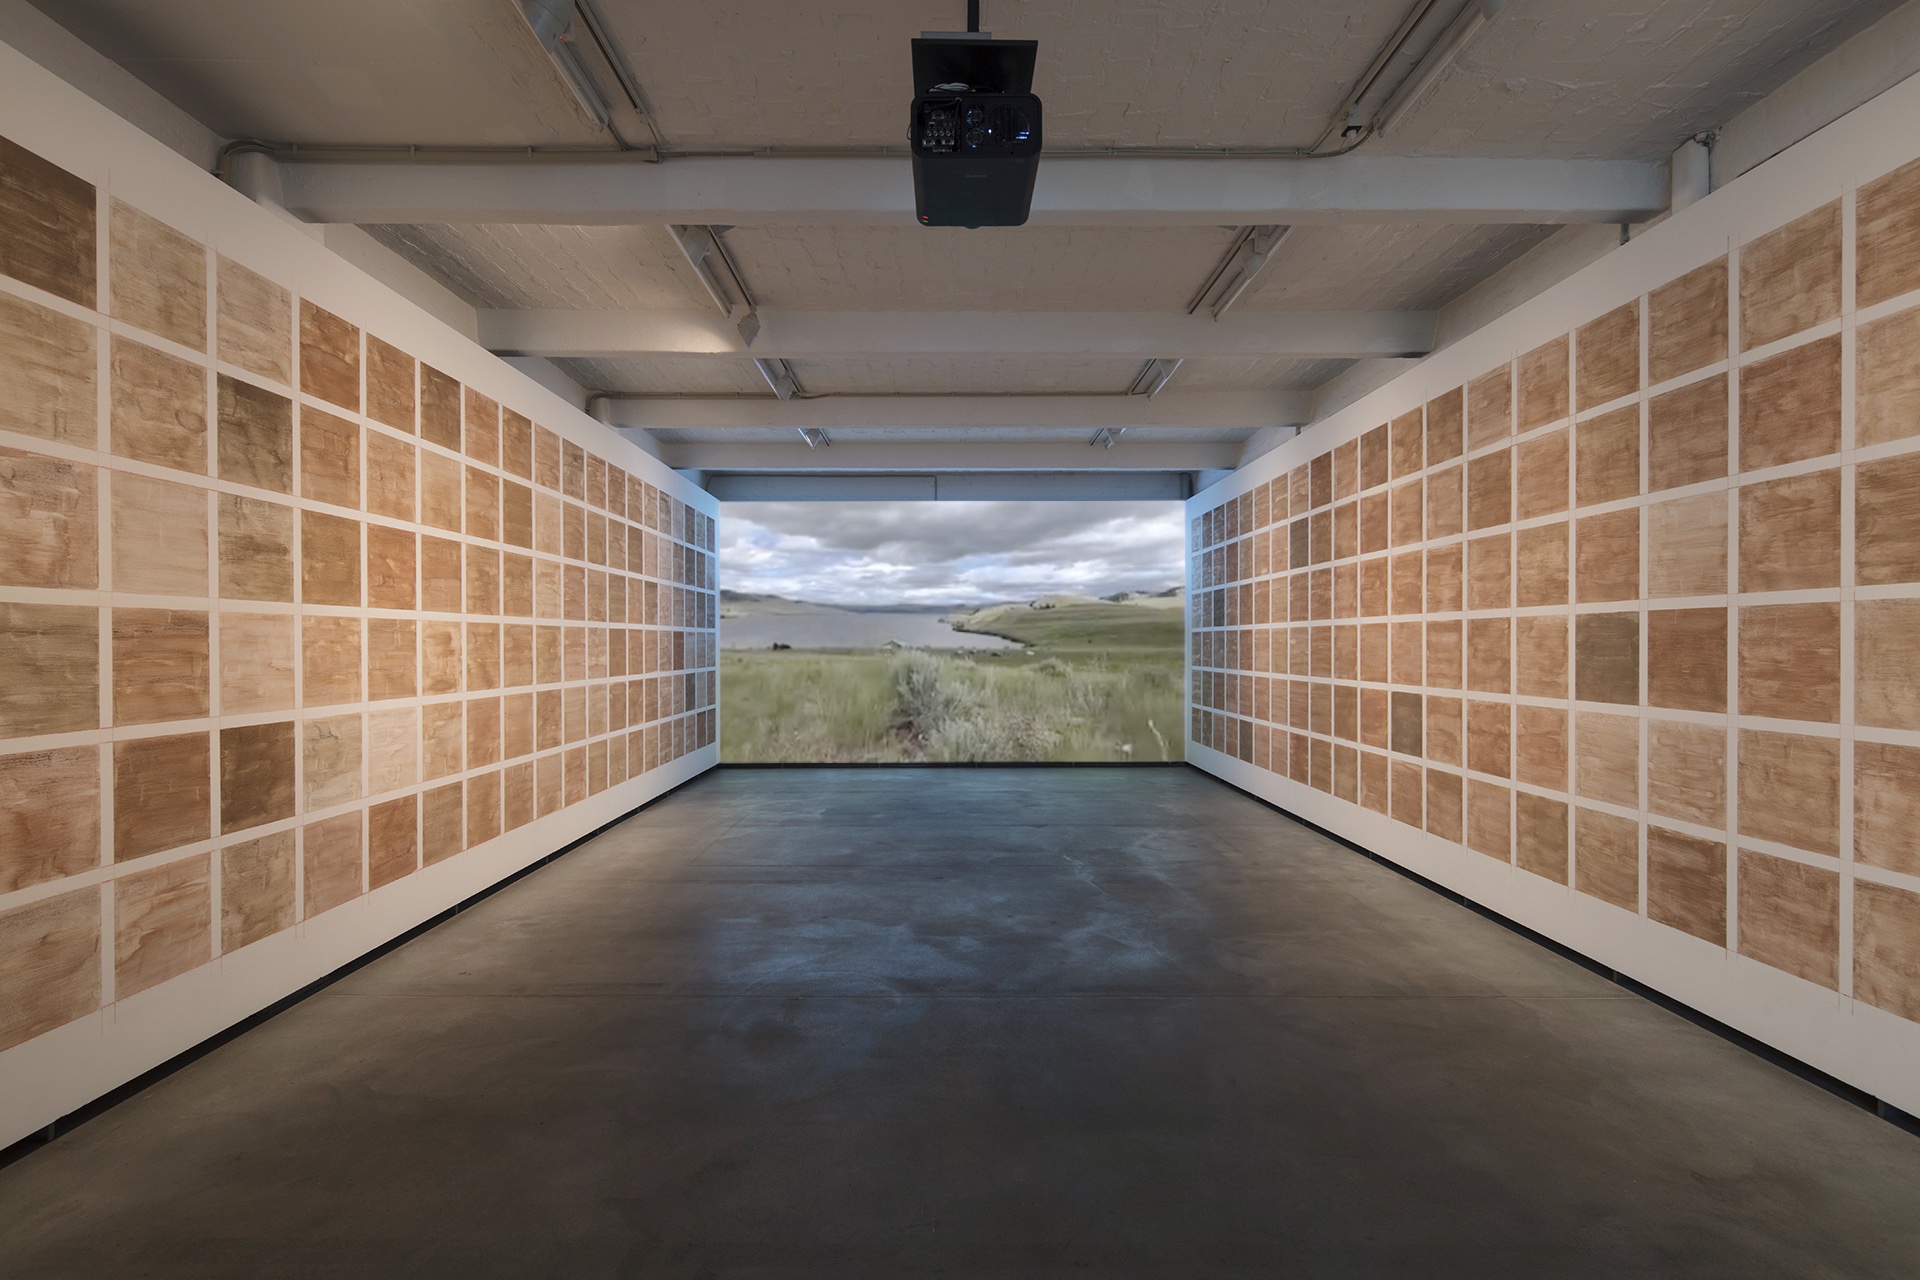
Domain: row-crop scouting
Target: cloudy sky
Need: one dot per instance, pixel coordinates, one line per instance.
(868, 553)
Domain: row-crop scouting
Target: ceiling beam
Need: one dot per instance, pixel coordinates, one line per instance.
(852, 456)
(1212, 410)
(804, 335)
(1071, 191)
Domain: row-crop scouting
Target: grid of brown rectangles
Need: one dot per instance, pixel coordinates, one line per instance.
(1638, 613)
(286, 615)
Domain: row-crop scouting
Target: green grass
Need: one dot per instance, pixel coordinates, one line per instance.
(1100, 683)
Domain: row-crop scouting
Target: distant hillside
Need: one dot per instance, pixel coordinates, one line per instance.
(746, 604)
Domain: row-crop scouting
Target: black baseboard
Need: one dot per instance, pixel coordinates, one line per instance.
(1733, 1035)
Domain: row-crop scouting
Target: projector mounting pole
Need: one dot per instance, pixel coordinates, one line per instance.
(973, 15)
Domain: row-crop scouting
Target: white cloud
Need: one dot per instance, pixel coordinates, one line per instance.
(871, 553)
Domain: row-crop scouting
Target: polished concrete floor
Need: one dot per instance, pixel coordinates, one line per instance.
(970, 1023)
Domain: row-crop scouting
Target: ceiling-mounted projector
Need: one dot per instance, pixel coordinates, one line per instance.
(975, 129)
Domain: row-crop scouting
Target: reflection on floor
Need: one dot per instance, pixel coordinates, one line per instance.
(970, 1022)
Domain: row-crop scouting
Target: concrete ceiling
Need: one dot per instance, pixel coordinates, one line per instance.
(1546, 81)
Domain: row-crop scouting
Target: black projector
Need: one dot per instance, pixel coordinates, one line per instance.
(975, 131)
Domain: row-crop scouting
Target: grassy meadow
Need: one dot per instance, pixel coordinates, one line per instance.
(1096, 682)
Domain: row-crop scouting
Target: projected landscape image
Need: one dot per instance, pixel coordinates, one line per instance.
(900, 632)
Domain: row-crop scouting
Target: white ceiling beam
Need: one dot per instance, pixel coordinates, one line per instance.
(1071, 191)
(1214, 410)
(804, 335)
(924, 456)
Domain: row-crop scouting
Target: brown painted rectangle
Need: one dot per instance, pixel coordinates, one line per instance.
(1607, 468)
(1540, 829)
(256, 774)
(1688, 435)
(1687, 547)
(392, 659)
(253, 327)
(1541, 646)
(49, 521)
(1790, 789)
(256, 890)
(1490, 572)
(1687, 771)
(1542, 378)
(1606, 663)
(162, 793)
(1606, 357)
(159, 407)
(1687, 659)
(1606, 858)
(1886, 655)
(51, 654)
(1542, 575)
(1541, 746)
(1790, 533)
(1886, 806)
(1490, 407)
(1886, 530)
(332, 854)
(163, 924)
(1790, 406)
(1790, 662)
(329, 660)
(1606, 758)
(156, 276)
(1886, 948)
(1489, 655)
(1490, 820)
(329, 356)
(330, 753)
(49, 952)
(47, 374)
(1490, 490)
(49, 815)
(1886, 379)
(393, 840)
(390, 389)
(47, 225)
(161, 660)
(1687, 884)
(1790, 278)
(1687, 322)
(329, 559)
(1790, 917)
(439, 575)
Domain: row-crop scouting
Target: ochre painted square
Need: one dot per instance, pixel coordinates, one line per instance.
(1687, 884)
(1607, 465)
(49, 815)
(1542, 474)
(256, 890)
(393, 840)
(1490, 572)
(1887, 240)
(1446, 731)
(443, 738)
(1886, 379)
(1490, 738)
(1409, 518)
(1790, 278)
(1886, 806)
(1446, 424)
(439, 575)
(49, 521)
(256, 774)
(483, 655)
(1790, 789)
(256, 549)
(47, 225)
(156, 276)
(1790, 406)
(1409, 583)
(391, 568)
(1408, 795)
(329, 559)
(1686, 659)
(1446, 805)
(1606, 758)
(329, 660)
(439, 408)
(160, 665)
(1490, 407)
(1687, 323)
(483, 434)
(1607, 557)
(1606, 357)
(329, 357)
(483, 504)
(392, 661)
(1606, 857)
(1542, 574)
(1887, 521)
(1688, 435)
(1541, 376)
(51, 654)
(390, 472)
(1687, 547)
(1790, 917)
(1446, 502)
(441, 500)
(1790, 533)
(329, 458)
(1540, 828)
(1490, 820)
(159, 407)
(255, 439)
(393, 749)
(1886, 948)
(390, 390)
(440, 657)
(1490, 490)
(483, 732)
(1489, 655)
(330, 752)
(163, 924)
(253, 326)
(49, 955)
(332, 854)
(483, 808)
(162, 794)
(47, 374)
(1687, 771)
(1541, 645)
(1606, 662)
(1886, 656)
(1790, 662)
(1445, 589)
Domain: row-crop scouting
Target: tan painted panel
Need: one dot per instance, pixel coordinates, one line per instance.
(1541, 746)
(329, 559)
(329, 458)
(483, 430)
(1790, 662)
(329, 356)
(517, 795)
(47, 372)
(49, 957)
(393, 840)
(159, 407)
(483, 808)
(1606, 758)
(439, 575)
(1606, 857)
(392, 659)
(1446, 804)
(1790, 790)
(254, 442)
(256, 549)
(1607, 466)
(163, 924)
(1606, 356)
(332, 853)
(1542, 470)
(1887, 380)
(1606, 662)
(1687, 771)
(256, 774)
(1790, 533)
(1541, 647)
(1687, 884)
(330, 753)
(258, 659)
(1886, 806)
(1489, 820)
(1687, 659)
(1687, 547)
(1607, 557)
(1886, 655)
(161, 665)
(441, 500)
(1490, 407)
(254, 327)
(329, 660)
(442, 823)
(1886, 530)
(482, 504)
(1688, 435)
(1490, 572)
(1790, 406)
(49, 815)
(1886, 948)
(392, 570)
(439, 408)
(51, 654)
(1540, 831)
(1790, 278)
(1490, 490)
(393, 749)
(390, 481)
(1541, 376)
(47, 233)
(156, 276)
(390, 390)
(1887, 218)
(256, 890)
(1687, 322)
(49, 521)
(1790, 917)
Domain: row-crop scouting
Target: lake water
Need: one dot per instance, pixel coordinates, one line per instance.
(851, 631)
